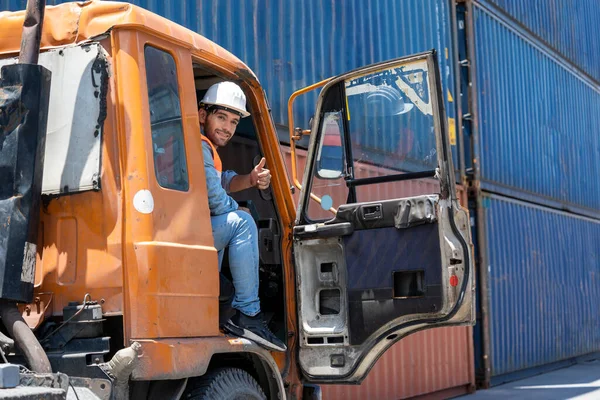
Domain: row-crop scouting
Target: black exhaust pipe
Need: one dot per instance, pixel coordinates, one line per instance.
(32, 32)
(24, 100)
(24, 338)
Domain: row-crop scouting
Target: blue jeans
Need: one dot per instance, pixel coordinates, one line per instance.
(237, 230)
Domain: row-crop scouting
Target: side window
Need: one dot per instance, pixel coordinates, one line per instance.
(392, 142)
(165, 120)
(328, 181)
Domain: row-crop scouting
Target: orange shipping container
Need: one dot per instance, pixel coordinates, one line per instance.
(432, 364)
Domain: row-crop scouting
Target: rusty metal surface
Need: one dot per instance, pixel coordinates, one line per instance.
(35, 313)
(176, 363)
(32, 31)
(422, 363)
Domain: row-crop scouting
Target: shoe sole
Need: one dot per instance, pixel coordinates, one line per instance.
(236, 330)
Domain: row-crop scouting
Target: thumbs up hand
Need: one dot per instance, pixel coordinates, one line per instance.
(260, 177)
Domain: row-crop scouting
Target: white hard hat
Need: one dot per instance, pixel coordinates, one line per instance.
(228, 96)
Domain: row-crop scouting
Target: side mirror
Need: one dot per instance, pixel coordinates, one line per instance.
(330, 158)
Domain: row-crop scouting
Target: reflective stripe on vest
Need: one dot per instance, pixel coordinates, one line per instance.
(216, 158)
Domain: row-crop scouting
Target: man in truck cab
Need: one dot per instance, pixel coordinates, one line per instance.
(220, 111)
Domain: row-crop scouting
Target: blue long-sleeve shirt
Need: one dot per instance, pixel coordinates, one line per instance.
(217, 185)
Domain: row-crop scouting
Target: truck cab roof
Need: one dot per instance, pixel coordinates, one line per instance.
(76, 22)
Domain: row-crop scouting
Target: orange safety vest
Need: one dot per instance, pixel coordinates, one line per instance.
(216, 158)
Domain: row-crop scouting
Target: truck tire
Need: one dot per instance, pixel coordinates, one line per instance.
(225, 384)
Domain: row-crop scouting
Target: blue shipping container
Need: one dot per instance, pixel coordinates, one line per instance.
(543, 274)
(570, 27)
(538, 122)
(291, 44)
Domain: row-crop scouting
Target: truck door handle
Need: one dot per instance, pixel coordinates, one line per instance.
(371, 212)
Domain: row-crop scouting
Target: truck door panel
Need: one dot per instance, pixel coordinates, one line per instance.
(380, 259)
(390, 271)
(169, 259)
(378, 253)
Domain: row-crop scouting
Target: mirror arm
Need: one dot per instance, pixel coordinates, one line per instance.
(299, 133)
(294, 136)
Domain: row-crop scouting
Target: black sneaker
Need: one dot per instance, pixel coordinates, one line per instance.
(256, 329)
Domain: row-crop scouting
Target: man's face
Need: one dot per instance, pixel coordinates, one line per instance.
(219, 126)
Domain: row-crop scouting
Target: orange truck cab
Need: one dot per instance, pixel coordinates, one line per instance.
(126, 296)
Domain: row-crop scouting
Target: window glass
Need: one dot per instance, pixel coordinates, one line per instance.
(328, 183)
(390, 122)
(165, 120)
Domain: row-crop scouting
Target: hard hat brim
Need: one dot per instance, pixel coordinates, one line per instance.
(242, 113)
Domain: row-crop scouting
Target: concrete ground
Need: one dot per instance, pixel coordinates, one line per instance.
(577, 382)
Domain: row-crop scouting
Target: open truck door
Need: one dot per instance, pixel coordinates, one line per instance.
(382, 247)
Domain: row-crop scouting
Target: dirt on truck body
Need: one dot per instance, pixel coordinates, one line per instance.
(110, 268)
